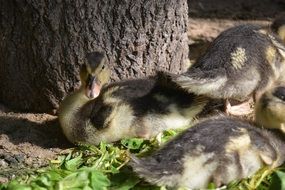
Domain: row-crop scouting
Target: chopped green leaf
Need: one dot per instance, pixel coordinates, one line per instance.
(74, 163)
(133, 143)
(99, 180)
(278, 181)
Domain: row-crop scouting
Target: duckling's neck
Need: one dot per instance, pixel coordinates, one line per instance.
(69, 107)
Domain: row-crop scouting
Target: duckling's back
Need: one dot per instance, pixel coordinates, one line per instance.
(216, 150)
(166, 106)
(164, 94)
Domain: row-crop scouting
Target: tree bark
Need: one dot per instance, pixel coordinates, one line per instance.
(43, 43)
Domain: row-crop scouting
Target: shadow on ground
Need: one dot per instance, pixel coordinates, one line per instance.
(46, 134)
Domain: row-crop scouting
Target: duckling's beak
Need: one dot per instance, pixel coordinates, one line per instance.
(92, 87)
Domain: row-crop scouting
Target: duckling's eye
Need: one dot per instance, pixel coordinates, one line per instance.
(280, 93)
(103, 67)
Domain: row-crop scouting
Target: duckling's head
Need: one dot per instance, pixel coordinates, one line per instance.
(278, 26)
(94, 74)
(270, 108)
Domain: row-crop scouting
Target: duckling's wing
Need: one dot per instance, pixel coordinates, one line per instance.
(202, 82)
(129, 89)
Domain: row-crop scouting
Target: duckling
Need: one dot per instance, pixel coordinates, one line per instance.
(242, 61)
(220, 149)
(278, 26)
(93, 77)
(132, 108)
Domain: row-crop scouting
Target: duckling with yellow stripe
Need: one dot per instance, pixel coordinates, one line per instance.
(132, 108)
(242, 61)
(220, 149)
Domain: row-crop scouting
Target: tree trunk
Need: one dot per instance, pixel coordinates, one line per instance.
(43, 43)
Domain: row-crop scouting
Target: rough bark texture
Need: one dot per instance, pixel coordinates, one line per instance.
(43, 43)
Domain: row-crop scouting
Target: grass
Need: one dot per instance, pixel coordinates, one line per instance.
(104, 167)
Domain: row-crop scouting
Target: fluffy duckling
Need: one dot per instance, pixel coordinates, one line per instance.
(242, 61)
(278, 26)
(220, 149)
(132, 108)
(92, 76)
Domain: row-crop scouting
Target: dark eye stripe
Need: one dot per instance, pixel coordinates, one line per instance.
(280, 93)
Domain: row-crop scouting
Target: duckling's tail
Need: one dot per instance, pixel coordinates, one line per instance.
(200, 85)
(149, 169)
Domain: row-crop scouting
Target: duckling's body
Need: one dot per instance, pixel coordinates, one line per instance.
(131, 108)
(220, 150)
(242, 61)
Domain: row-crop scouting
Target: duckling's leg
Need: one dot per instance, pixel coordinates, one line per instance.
(243, 108)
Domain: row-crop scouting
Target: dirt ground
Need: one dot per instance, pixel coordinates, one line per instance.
(27, 141)
(31, 140)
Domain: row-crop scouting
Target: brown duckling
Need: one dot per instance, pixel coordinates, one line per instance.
(132, 108)
(220, 149)
(242, 61)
